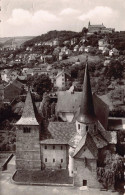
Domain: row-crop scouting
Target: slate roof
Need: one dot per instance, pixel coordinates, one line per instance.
(29, 115)
(58, 132)
(87, 114)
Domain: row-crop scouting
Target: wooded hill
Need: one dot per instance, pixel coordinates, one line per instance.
(51, 35)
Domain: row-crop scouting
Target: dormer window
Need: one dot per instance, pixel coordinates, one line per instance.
(26, 130)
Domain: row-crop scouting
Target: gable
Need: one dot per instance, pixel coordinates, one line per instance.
(85, 153)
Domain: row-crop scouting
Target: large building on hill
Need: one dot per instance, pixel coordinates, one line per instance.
(75, 147)
(99, 28)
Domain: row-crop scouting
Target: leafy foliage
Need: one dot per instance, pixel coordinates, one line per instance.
(40, 83)
(115, 69)
(62, 35)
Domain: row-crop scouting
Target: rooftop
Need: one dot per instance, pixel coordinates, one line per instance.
(58, 133)
(29, 115)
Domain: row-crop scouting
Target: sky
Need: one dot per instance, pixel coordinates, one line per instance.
(35, 17)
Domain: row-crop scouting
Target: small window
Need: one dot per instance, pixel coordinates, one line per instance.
(53, 147)
(78, 126)
(53, 159)
(26, 130)
(95, 127)
(45, 159)
(87, 128)
(72, 171)
(61, 160)
(61, 147)
(45, 147)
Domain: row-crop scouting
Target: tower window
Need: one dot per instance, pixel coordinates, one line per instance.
(53, 147)
(45, 159)
(45, 147)
(78, 126)
(53, 159)
(87, 128)
(61, 160)
(26, 130)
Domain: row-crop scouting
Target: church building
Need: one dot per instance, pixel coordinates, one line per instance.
(73, 146)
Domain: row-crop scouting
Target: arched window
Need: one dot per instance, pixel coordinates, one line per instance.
(78, 126)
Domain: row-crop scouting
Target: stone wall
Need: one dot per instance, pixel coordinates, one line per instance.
(28, 148)
(85, 170)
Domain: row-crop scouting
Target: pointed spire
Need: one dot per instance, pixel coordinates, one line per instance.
(86, 114)
(29, 115)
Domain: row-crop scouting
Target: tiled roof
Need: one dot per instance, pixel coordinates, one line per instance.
(53, 141)
(17, 84)
(89, 142)
(96, 25)
(30, 115)
(109, 136)
(93, 141)
(75, 140)
(60, 132)
(65, 72)
(18, 107)
(64, 105)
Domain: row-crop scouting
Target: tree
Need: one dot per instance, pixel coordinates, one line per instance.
(40, 83)
(115, 69)
(84, 30)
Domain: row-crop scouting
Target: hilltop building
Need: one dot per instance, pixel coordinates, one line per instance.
(75, 147)
(99, 28)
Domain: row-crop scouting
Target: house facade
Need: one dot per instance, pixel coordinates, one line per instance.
(61, 79)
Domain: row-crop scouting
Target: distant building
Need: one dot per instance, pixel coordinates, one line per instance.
(76, 48)
(81, 48)
(99, 28)
(114, 52)
(62, 78)
(61, 55)
(56, 42)
(89, 49)
(103, 43)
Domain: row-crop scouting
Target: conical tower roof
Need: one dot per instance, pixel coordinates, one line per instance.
(29, 115)
(86, 114)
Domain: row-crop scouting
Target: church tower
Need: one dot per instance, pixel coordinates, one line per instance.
(86, 120)
(28, 137)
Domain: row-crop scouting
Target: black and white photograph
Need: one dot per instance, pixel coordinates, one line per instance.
(62, 97)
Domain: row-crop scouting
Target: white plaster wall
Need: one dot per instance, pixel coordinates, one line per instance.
(56, 154)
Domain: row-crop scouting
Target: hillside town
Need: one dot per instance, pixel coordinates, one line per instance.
(62, 107)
